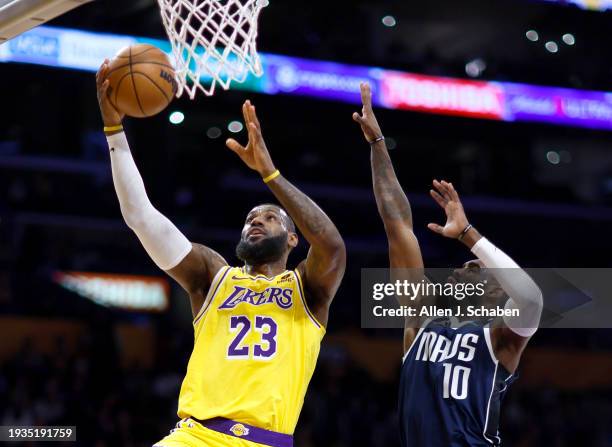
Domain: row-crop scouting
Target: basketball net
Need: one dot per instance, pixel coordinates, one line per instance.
(213, 41)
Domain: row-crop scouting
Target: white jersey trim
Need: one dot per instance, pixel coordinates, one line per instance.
(487, 336)
(214, 286)
(416, 338)
(484, 430)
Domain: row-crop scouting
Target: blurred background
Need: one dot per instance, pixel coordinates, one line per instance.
(542, 192)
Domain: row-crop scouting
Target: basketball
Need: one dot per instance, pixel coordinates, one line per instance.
(142, 81)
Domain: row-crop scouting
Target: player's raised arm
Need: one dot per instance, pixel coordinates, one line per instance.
(192, 265)
(405, 257)
(524, 294)
(393, 205)
(324, 266)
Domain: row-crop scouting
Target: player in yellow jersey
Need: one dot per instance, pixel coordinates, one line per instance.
(257, 327)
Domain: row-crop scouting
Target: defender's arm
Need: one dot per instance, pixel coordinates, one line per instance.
(525, 296)
(510, 339)
(393, 207)
(392, 203)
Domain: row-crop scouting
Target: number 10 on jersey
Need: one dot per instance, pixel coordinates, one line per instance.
(241, 325)
(455, 381)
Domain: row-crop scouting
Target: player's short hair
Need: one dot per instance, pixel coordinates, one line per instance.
(287, 220)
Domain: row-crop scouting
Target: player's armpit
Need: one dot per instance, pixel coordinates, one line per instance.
(508, 346)
(196, 272)
(322, 272)
(412, 324)
(324, 266)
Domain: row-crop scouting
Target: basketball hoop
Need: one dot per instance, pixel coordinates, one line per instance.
(213, 39)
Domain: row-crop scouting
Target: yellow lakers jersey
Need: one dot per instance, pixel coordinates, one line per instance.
(256, 346)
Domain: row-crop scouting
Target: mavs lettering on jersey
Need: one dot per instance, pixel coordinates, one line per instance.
(435, 347)
(451, 388)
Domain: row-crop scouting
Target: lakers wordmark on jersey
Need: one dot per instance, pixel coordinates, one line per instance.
(256, 347)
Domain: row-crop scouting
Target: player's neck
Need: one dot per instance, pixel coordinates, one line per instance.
(268, 269)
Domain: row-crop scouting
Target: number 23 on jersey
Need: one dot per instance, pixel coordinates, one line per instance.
(264, 349)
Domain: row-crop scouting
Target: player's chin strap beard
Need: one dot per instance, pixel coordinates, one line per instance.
(267, 250)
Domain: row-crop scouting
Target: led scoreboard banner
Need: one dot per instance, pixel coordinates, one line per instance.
(502, 101)
(127, 292)
(594, 5)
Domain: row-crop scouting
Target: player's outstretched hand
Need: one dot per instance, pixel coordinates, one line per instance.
(255, 155)
(456, 221)
(110, 115)
(367, 119)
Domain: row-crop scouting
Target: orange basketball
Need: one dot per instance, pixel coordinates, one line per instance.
(142, 81)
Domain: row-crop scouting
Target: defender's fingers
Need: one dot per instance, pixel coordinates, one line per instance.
(366, 95)
(439, 188)
(454, 193)
(446, 185)
(442, 187)
(435, 228)
(438, 198)
(357, 118)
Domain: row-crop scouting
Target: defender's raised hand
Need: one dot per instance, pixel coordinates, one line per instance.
(255, 155)
(448, 199)
(367, 119)
(110, 115)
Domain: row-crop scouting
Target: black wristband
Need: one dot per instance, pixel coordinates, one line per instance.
(376, 140)
(464, 232)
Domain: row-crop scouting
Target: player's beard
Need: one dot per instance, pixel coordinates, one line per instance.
(266, 250)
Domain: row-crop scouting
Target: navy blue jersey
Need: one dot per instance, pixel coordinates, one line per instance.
(451, 388)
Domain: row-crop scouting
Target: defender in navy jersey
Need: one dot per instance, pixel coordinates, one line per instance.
(454, 374)
(451, 387)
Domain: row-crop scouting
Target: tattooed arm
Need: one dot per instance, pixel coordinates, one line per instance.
(392, 203)
(323, 268)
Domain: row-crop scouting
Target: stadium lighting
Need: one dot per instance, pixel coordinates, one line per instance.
(475, 68)
(389, 21)
(553, 157)
(532, 35)
(235, 126)
(569, 39)
(213, 132)
(176, 117)
(551, 47)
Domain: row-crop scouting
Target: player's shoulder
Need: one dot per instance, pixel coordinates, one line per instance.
(211, 258)
(450, 325)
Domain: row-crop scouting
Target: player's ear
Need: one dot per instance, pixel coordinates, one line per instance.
(292, 239)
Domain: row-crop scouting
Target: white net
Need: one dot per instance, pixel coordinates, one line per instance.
(213, 41)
